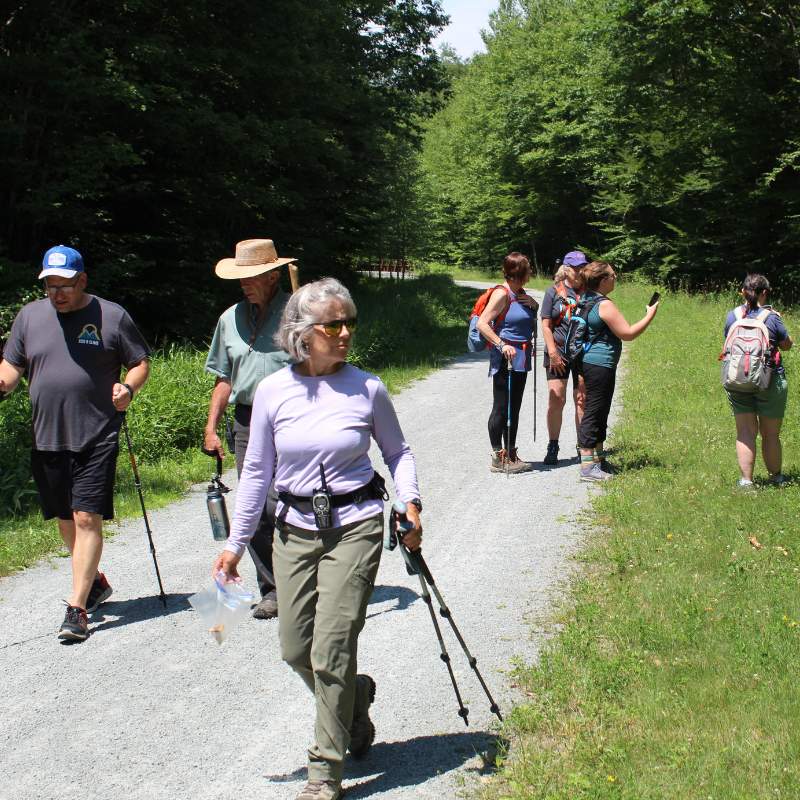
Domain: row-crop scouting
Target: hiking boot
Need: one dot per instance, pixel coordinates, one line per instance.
(516, 464)
(75, 627)
(100, 592)
(268, 607)
(551, 459)
(592, 473)
(745, 485)
(778, 479)
(498, 461)
(362, 731)
(321, 790)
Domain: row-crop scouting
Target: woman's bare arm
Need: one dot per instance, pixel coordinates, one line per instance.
(619, 326)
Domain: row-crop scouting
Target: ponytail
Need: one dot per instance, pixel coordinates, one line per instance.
(754, 284)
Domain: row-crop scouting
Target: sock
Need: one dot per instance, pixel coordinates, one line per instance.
(586, 460)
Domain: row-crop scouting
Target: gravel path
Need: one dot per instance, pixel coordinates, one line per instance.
(151, 708)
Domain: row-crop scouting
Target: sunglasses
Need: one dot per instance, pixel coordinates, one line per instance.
(334, 327)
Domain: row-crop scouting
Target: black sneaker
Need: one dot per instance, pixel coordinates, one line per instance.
(551, 459)
(75, 627)
(100, 592)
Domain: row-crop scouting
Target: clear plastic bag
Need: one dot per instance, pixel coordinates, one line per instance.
(222, 606)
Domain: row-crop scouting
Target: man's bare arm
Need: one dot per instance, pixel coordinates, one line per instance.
(9, 376)
(219, 402)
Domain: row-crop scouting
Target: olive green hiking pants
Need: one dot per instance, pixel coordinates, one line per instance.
(324, 582)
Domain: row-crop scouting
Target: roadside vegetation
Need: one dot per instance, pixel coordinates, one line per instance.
(405, 330)
(673, 671)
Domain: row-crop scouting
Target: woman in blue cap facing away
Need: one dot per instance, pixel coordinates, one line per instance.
(755, 380)
(558, 304)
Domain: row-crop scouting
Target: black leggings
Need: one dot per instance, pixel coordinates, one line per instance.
(599, 382)
(497, 419)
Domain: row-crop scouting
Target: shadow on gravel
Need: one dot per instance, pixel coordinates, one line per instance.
(417, 760)
(404, 598)
(137, 609)
(411, 762)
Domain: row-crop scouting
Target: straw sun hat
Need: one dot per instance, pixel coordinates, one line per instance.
(253, 256)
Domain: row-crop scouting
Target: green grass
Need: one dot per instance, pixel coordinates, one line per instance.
(406, 330)
(674, 674)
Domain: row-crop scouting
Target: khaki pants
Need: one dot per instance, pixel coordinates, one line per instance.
(324, 582)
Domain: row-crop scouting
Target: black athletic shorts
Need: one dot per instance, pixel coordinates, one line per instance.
(554, 376)
(68, 481)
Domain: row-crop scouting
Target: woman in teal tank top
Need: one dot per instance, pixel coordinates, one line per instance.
(607, 328)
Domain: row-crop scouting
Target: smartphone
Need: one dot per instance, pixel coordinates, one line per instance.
(655, 298)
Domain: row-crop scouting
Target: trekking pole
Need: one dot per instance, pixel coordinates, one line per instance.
(508, 419)
(138, 485)
(535, 343)
(416, 565)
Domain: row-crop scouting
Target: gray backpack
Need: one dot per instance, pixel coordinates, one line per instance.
(747, 356)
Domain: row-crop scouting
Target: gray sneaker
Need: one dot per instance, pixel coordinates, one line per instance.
(594, 473)
(321, 790)
(268, 607)
(362, 731)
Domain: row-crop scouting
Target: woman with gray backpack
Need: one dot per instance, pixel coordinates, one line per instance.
(755, 380)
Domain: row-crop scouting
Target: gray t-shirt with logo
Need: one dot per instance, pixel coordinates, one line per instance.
(73, 361)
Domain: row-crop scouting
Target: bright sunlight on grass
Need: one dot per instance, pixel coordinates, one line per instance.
(675, 672)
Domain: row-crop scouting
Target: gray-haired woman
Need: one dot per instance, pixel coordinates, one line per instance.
(311, 429)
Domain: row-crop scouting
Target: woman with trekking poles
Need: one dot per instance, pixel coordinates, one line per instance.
(558, 304)
(310, 430)
(508, 324)
(606, 330)
(755, 380)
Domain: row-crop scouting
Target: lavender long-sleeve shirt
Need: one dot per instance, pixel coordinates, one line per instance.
(299, 422)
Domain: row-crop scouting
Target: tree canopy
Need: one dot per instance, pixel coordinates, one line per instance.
(661, 134)
(152, 136)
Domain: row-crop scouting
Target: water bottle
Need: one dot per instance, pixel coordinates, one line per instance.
(217, 512)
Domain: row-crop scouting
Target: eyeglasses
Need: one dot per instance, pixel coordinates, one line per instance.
(63, 287)
(334, 327)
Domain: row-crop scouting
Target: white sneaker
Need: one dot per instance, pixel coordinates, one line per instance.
(745, 485)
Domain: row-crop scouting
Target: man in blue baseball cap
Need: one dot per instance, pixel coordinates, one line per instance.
(73, 347)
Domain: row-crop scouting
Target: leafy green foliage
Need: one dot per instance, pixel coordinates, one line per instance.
(660, 135)
(153, 137)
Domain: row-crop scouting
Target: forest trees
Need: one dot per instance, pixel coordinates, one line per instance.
(662, 134)
(153, 136)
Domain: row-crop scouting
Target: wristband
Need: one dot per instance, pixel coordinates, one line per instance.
(416, 502)
(128, 387)
(499, 346)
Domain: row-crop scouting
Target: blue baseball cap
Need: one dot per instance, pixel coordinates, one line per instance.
(575, 258)
(62, 261)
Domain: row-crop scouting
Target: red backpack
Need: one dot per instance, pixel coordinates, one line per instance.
(475, 342)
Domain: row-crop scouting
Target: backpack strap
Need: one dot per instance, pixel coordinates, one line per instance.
(500, 318)
(763, 314)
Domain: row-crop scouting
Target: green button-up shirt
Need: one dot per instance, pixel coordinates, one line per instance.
(231, 356)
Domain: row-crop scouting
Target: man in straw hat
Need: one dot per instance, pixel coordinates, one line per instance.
(242, 353)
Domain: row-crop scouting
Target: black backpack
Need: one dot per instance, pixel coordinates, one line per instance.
(576, 338)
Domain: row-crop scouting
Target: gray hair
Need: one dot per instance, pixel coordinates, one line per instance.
(562, 273)
(304, 310)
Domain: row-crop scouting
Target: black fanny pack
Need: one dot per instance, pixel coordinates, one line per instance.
(374, 490)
